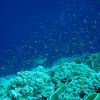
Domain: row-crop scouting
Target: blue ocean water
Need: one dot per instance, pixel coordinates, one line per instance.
(40, 31)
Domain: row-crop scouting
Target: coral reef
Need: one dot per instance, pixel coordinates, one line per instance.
(74, 78)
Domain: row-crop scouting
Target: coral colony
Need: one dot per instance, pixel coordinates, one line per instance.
(73, 78)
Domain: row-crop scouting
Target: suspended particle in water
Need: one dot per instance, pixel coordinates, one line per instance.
(85, 21)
